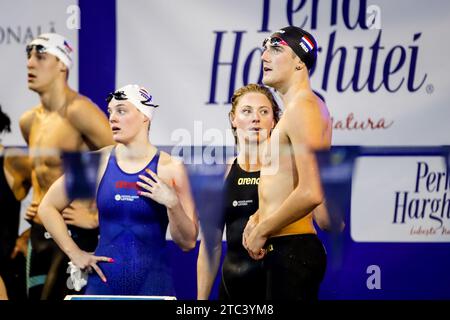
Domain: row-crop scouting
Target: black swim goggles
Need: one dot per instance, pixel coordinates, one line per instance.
(39, 48)
(274, 41)
(120, 95)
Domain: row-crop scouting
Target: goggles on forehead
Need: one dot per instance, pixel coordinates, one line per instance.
(274, 41)
(118, 95)
(39, 48)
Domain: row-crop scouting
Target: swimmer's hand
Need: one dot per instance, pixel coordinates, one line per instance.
(32, 211)
(251, 224)
(154, 188)
(80, 215)
(252, 240)
(86, 262)
(21, 244)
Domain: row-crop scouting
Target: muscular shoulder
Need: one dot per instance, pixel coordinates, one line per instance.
(168, 162)
(90, 121)
(307, 119)
(81, 109)
(303, 102)
(27, 117)
(26, 120)
(170, 168)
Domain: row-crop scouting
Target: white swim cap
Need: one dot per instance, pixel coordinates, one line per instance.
(138, 96)
(54, 44)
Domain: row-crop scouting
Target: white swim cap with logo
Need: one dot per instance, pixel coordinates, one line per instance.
(56, 45)
(140, 98)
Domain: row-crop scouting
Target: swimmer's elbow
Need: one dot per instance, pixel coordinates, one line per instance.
(316, 198)
(313, 198)
(324, 224)
(187, 245)
(43, 212)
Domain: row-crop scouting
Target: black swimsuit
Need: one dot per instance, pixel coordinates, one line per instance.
(9, 227)
(242, 277)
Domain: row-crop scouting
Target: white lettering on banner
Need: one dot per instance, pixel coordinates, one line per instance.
(16, 31)
(22, 34)
(400, 199)
(373, 19)
(73, 21)
(374, 280)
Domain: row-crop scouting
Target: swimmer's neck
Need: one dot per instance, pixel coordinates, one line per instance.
(56, 96)
(135, 150)
(249, 156)
(292, 88)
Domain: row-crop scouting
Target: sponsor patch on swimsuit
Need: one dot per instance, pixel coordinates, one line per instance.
(125, 197)
(241, 203)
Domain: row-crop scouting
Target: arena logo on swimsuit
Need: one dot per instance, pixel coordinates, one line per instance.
(248, 181)
(389, 68)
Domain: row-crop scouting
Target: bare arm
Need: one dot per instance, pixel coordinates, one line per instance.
(183, 221)
(322, 217)
(25, 123)
(53, 203)
(82, 214)
(21, 245)
(17, 168)
(3, 294)
(210, 252)
(208, 262)
(326, 221)
(305, 134)
(171, 189)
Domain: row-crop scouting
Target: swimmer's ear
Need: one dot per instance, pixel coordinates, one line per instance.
(300, 65)
(63, 66)
(65, 69)
(231, 118)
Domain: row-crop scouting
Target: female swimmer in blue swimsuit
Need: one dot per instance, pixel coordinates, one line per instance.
(141, 192)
